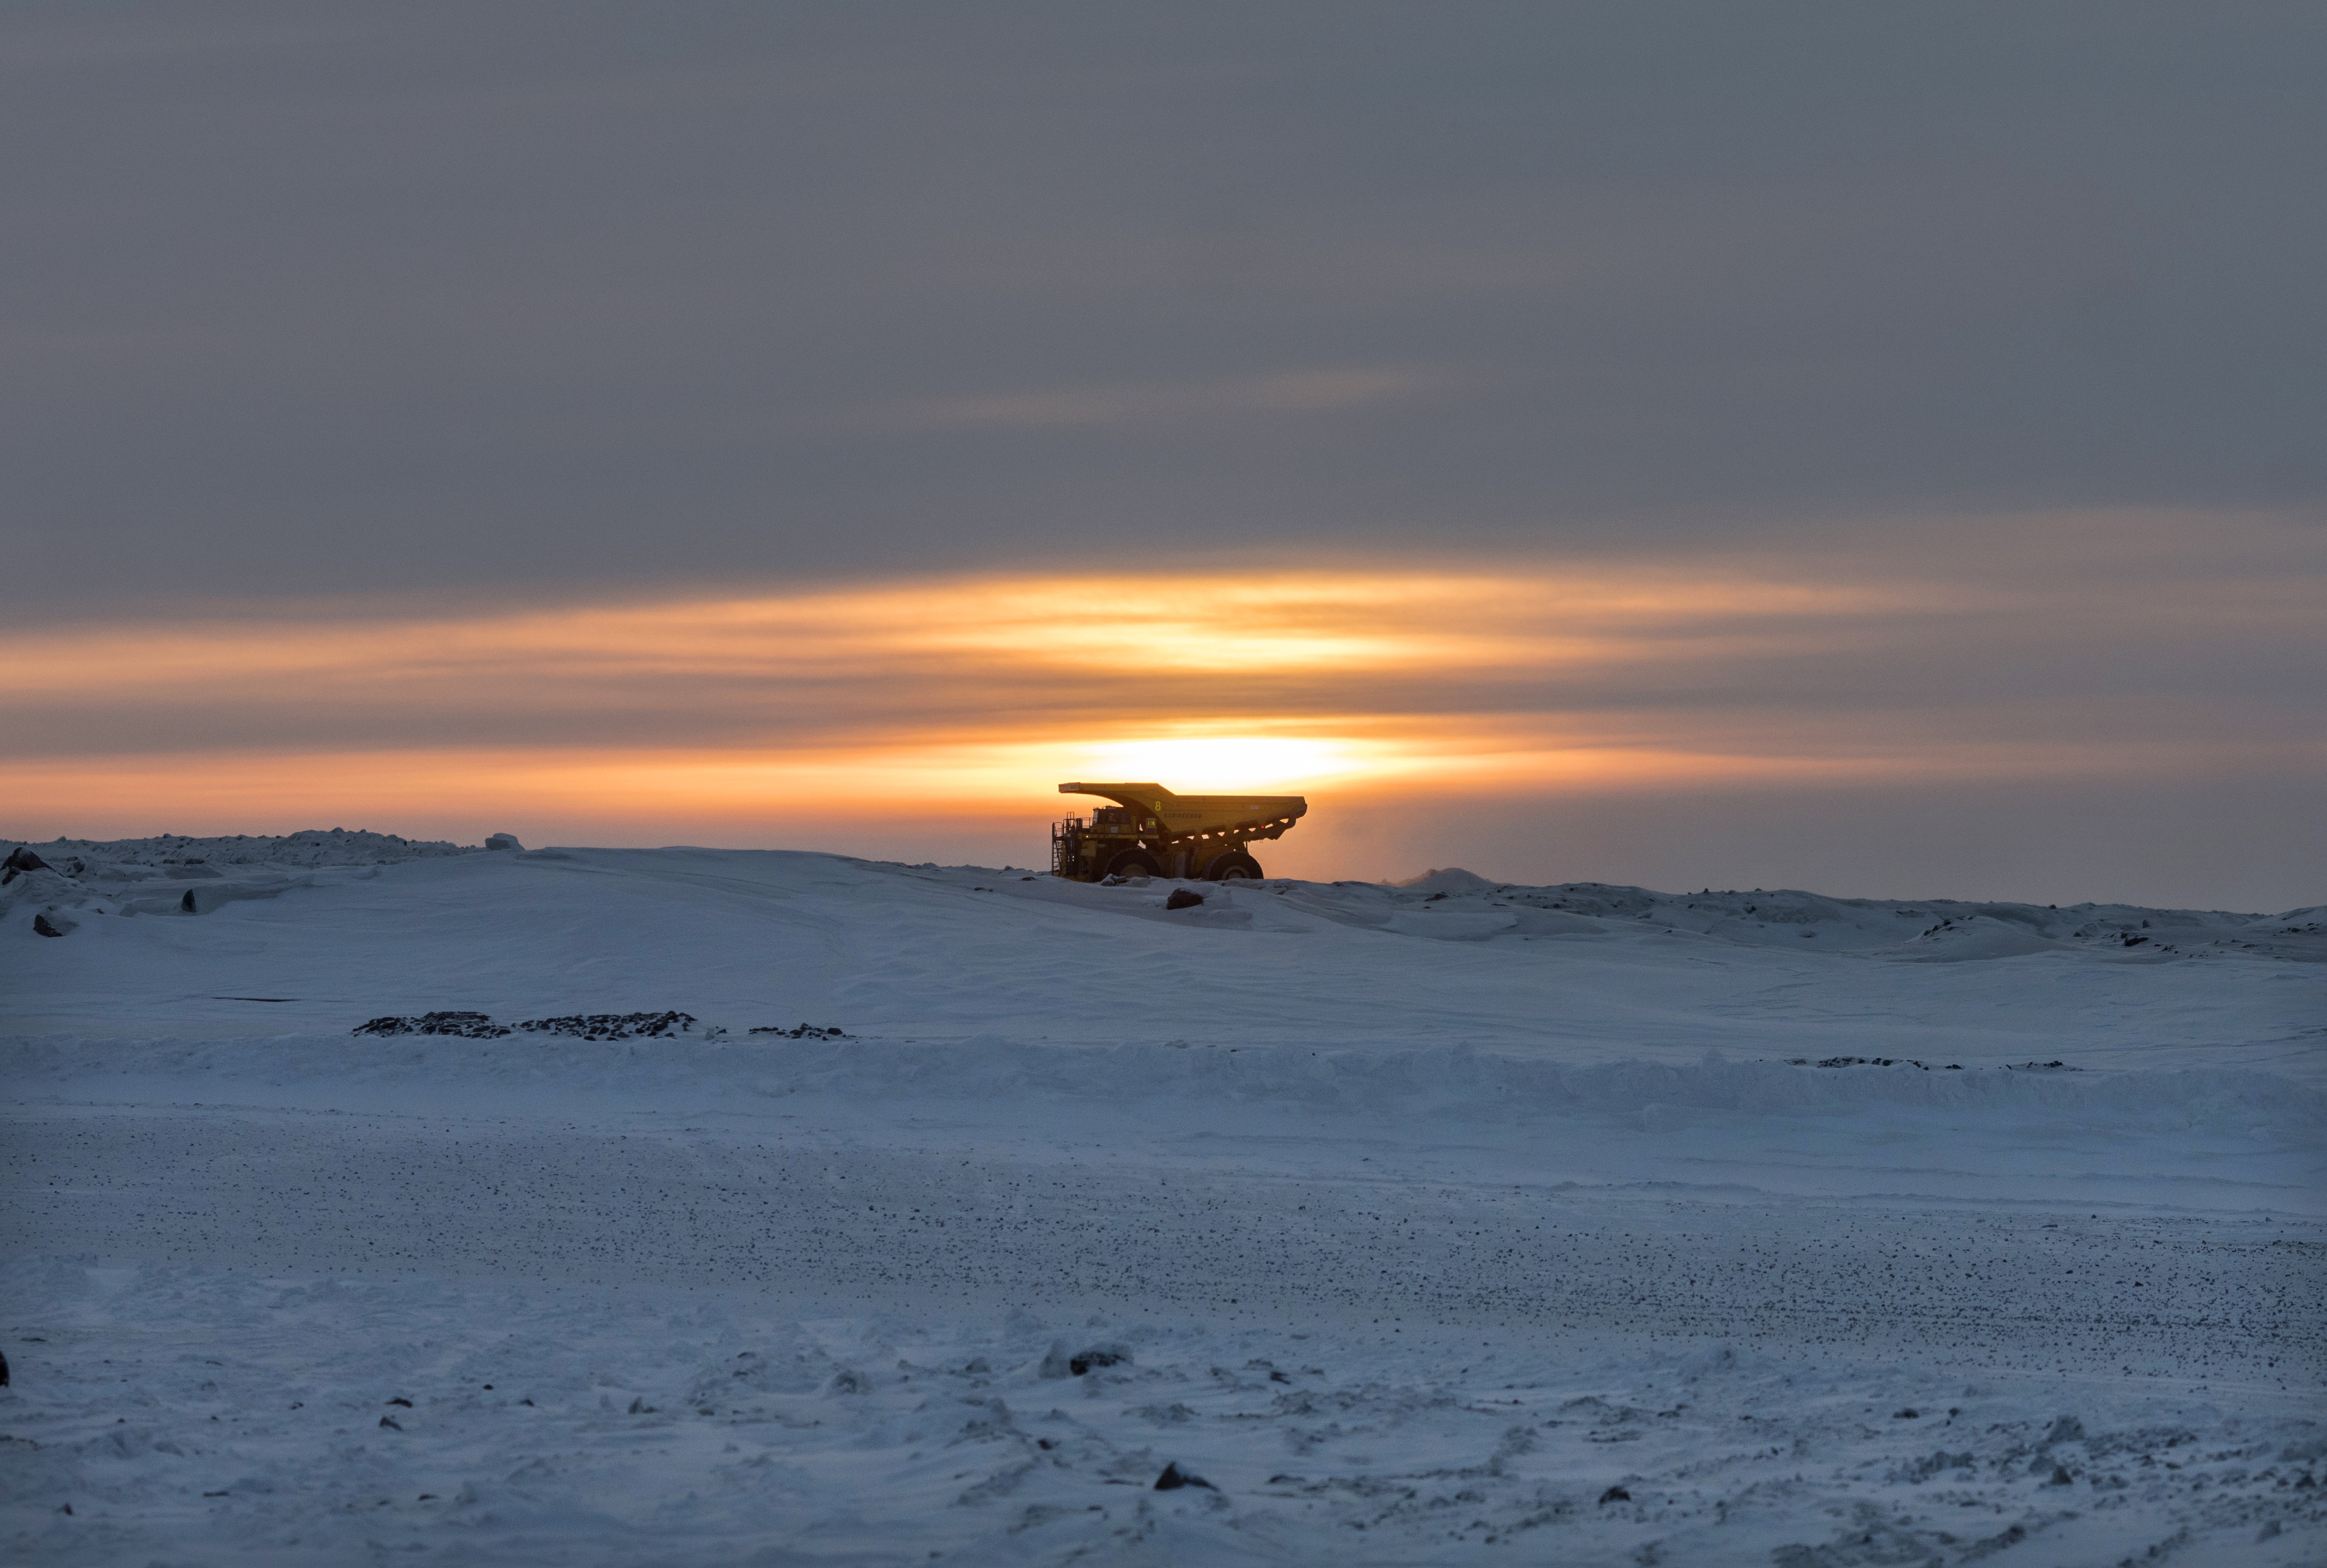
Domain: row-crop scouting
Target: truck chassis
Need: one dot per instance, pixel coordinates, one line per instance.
(1152, 832)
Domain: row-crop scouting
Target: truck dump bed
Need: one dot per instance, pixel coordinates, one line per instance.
(1193, 816)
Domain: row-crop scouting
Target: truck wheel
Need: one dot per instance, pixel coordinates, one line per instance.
(1233, 866)
(1133, 863)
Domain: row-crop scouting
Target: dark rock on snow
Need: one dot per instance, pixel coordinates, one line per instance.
(463, 1025)
(580, 1026)
(614, 1025)
(1174, 1478)
(1057, 1363)
(42, 924)
(1183, 898)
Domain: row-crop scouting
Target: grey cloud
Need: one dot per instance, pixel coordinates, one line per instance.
(308, 299)
(1286, 392)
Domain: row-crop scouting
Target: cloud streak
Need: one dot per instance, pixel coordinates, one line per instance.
(964, 699)
(1288, 393)
(765, 293)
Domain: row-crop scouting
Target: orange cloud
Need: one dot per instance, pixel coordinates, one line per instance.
(1115, 628)
(746, 716)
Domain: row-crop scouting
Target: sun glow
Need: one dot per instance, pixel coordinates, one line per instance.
(1200, 765)
(1254, 629)
(772, 717)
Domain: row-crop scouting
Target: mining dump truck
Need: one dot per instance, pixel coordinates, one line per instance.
(1152, 832)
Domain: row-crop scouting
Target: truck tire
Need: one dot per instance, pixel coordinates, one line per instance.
(1236, 865)
(1133, 863)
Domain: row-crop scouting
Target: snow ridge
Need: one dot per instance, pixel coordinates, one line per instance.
(671, 1054)
(171, 874)
(1927, 930)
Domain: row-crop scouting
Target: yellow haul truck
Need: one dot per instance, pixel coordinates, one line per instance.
(1152, 832)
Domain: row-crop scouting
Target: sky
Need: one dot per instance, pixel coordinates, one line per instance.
(1872, 449)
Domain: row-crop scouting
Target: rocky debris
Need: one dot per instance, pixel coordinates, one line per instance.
(614, 1025)
(1869, 1062)
(803, 1032)
(51, 928)
(1924, 1066)
(462, 1025)
(20, 861)
(1174, 1478)
(494, 841)
(1183, 898)
(1615, 1495)
(578, 1026)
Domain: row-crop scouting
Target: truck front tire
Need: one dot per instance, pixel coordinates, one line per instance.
(1133, 863)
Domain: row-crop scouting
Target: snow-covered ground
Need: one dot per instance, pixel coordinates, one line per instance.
(1452, 1222)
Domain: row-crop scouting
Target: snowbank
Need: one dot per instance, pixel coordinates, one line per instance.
(1926, 930)
(700, 1207)
(171, 874)
(1457, 1085)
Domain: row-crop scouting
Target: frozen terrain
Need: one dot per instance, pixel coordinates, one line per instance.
(1457, 1221)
